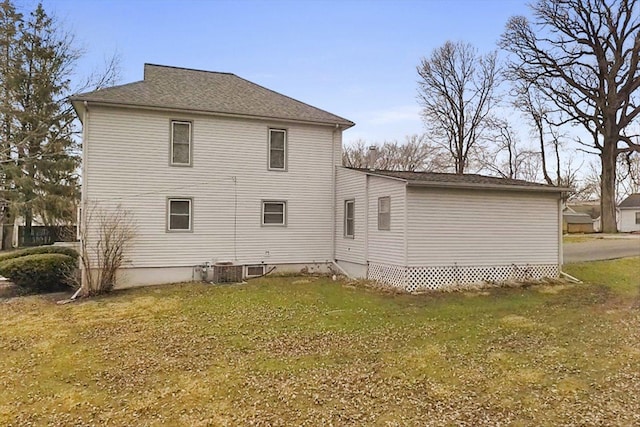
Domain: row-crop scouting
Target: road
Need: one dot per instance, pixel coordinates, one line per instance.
(601, 248)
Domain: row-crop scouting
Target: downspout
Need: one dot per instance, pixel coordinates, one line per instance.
(366, 222)
(406, 227)
(342, 270)
(83, 196)
(560, 255)
(333, 195)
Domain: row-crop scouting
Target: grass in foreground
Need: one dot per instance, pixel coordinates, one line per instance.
(287, 351)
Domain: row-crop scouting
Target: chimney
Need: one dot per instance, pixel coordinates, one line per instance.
(372, 155)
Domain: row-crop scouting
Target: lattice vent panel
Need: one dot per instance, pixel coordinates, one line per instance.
(440, 277)
(389, 274)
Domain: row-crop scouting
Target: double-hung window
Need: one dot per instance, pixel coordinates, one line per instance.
(180, 143)
(349, 218)
(277, 149)
(274, 213)
(179, 214)
(384, 213)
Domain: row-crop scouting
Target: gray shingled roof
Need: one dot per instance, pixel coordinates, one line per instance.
(433, 179)
(577, 218)
(633, 201)
(206, 91)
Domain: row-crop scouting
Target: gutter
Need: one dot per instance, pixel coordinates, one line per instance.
(471, 185)
(346, 124)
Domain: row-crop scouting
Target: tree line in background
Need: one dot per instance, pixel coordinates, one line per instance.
(39, 151)
(572, 73)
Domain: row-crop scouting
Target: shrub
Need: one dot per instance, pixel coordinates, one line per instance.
(40, 250)
(40, 272)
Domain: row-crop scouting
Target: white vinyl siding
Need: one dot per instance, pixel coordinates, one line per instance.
(228, 183)
(629, 219)
(387, 246)
(180, 143)
(350, 185)
(277, 149)
(481, 227)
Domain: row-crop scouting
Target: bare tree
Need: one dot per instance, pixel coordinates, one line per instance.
(627, 182)
(582, 56)
(506, 158)
(457, 90)
(415, 154)
(105, 237)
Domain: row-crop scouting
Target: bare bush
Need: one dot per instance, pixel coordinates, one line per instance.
(105, 236)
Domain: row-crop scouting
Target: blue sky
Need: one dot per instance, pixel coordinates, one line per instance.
(356, 59)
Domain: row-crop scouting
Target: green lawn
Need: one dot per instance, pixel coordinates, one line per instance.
(292, 351)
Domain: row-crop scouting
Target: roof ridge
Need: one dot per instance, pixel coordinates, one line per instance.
(188, 69)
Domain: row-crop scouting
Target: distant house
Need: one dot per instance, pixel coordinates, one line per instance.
(576, 222)
(220, 171)
(629, 214)
(591, 208)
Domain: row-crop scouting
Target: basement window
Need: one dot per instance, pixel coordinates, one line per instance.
(255, 270)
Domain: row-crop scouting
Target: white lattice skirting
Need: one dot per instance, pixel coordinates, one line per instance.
(421, 278)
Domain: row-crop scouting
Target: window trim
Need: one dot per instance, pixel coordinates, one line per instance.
(380, 213)
(168, 216)
(171, 143)
(346, 234)
(285, 150)
(637, 217)
(284, 213)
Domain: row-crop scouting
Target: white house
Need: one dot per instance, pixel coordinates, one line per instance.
(629, 214)
(218, 169)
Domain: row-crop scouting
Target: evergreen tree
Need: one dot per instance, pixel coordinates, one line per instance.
(42, 164)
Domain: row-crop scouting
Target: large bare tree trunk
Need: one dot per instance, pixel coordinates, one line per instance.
(608, 188)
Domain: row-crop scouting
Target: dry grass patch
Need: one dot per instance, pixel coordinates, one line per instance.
(291, 351)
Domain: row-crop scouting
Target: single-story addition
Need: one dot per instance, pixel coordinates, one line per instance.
(227, 177)
(418, 230)
(629, 213)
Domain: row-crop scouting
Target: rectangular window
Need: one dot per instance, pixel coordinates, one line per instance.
(181, 143)
(349, 221)
(274, 213)
(637, 217)
(384, 213)
(255, 270)
(277, 149)
(179, 215)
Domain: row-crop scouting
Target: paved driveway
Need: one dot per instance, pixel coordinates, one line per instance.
(602, 248)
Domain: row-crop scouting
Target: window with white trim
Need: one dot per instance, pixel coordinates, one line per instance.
(179, 215)
(384, 213)
(637, 217)
(278, 149)
(180, 143)
(349, 218)
(274, 213)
